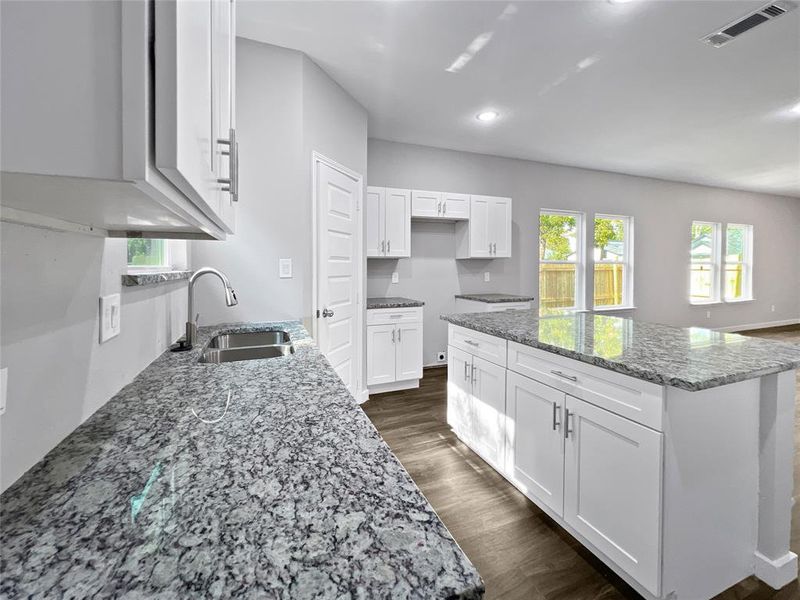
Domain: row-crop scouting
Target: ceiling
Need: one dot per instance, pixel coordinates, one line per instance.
(622, 87)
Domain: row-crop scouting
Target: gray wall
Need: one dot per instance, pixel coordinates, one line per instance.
(58, 372)
(663, 212)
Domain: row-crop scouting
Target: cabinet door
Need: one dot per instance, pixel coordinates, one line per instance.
(535, 460)
(479, 227)
(500, 227)
(185, 146)
(373, 214)
(224, 69)
(488, 412)
(426, 204)
(459, 392)
(455, 206)
(408, 354)
(380, 354)
(612, 488)
(398, 223)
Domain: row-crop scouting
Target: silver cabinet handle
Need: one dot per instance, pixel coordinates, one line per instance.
(466, 371)
(231, 183)
(564, 375)
(490, 247)
(444, 208)
(556, 422)
(399, 331)
(473, 374)
(471, 343)
(438, 208)
(383, 246)
(567, 429)
(393, 336)
(327, 313)
(388, 246)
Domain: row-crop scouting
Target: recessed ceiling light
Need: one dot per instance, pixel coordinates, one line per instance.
(487, 115)
(795, 109)
(620, 1)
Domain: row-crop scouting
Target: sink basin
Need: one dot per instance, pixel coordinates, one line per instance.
(248, 339)
(223, 355)
(253, 345)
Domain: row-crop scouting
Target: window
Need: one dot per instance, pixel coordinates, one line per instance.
(560, 260)
(704, 272)
(613, 280)
(148, 254)
(738, 277)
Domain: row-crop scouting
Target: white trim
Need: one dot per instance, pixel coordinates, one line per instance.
(715, 263)
(764, 325)
(746, 262)
(776, 573)
(627, 262)
(316, 159)
(24, 217)
(394, 386)
(580, 254)
(613, 308)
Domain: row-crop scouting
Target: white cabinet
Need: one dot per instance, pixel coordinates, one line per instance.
(476, 404)
(134, 148)
(612, 488)
(444, 206)
(487, 234)
(388, 217)
(535, 461)
(394, 349)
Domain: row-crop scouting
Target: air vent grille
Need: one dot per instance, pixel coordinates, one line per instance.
(773, 10)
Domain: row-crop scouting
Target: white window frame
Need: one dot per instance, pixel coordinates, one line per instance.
(715, 262)
(746, 262)
(580, 254)
(627, 262)
(175, 258)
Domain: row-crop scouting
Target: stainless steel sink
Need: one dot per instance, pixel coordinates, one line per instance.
(230, 347)
(248, 339)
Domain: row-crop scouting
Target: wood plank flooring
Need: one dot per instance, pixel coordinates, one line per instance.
(520, 552)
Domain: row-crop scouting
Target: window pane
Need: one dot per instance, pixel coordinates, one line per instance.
(609, 239)
(701, 282)
(733, 281)
(556, 285)
(734, 243)
(702, 241)
(146, 253)
(558, 237)
(608, 282)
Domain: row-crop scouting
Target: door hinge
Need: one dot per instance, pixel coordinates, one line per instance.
(318, 313)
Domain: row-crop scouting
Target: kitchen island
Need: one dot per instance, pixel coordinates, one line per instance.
(667, 452)
(259, 478)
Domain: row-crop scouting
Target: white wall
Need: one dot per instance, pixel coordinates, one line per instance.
(663, 212)
(286, 107)
(58, 372)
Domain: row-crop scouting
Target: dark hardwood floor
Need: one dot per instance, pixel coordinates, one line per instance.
(520, 552)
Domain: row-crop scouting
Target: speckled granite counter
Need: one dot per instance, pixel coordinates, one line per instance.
(495, 298)
(249, 479)
(393, 302)
(687, 358)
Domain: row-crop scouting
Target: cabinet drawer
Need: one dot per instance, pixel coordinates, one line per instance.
(479, 344)
(637, 400)
(501, 306)
(389, 316)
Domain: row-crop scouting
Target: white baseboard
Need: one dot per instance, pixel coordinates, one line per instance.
(396, 386)
(765, 325)
(776, 573)
(362, 396)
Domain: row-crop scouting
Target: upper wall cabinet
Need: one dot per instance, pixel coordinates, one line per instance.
(388, 216)
(487, 234)
(439, 206)
(112, 139)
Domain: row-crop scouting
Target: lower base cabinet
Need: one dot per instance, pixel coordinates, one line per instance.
(394, 349)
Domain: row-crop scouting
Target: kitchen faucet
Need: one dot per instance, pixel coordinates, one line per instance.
(191, 325)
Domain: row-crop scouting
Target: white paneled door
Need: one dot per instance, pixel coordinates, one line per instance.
(339, 263)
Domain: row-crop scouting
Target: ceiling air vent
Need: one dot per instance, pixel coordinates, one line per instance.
(732, 30)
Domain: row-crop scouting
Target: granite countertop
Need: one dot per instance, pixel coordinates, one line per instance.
(495, 298)
(248, 479)
(688, 358)
(393, 302)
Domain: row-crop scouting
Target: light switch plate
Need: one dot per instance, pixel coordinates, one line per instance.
(285, 268)
(109, 317)
(3, 389)
(395, 277)
(487, 276)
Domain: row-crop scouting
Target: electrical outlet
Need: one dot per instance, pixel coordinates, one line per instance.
(3, 389)
(487, 276)
(285, 268)
(772, 308)
(441, 356)
(109, 317)
(395, 277)
(708, 314)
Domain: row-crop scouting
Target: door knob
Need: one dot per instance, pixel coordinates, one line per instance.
(327, 313)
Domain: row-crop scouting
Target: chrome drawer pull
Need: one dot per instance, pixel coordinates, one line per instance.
(567, 430)
(471, 343)
(466, 371)
(556, 423)
(565, 376)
